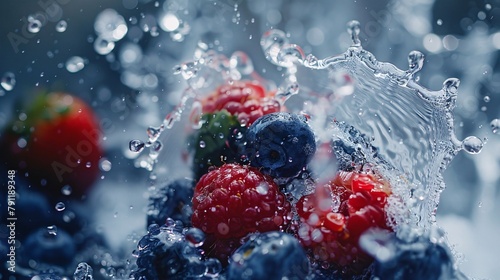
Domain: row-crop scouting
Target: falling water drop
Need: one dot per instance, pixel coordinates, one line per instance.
(8, 81)
(353, 28)
(103, 46)
(61, 26)
(495, 125)
(472, 145)
(75, 64)
(66, 190)
(60, 206)
(136, 146)
(52, 230)
(34, 25)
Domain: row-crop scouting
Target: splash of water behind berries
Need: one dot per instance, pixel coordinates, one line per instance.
(410, 125)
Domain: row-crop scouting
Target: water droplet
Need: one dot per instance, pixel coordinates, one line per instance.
(52, 230)
(75, 64)
(60, 206)
(439, 22)
(169, 22)
(415, 61)
(195, 237)
(136, 146)
(105, 165)
(495, 125)
(272, 42)
(34, 25)
(156, 146)
(8, 81)
(66, 190)
(88, 164)
(486, 99)
(472, 145)
(61, 26)
(241, 62)
(202, 144)
(83, 272)
(153, 133)
(110, 26)
(103, 46)
(353, 28)
(262, 188)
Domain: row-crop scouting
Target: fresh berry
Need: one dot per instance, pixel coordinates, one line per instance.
(56, 142)
(233, 201)
(281, 144)
(172, 201)
(418, 259)
(247, 100)
(333, 218)
(271, 255)
(216, 142)
(165, 253)
(51, 246)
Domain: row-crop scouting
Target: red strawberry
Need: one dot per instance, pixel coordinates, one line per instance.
(333, 218)
(233, 201)
(56, 143)
(245, 99)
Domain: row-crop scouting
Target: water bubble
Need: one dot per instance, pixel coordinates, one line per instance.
(8, 81)
(52, 230)
(60, 206)
(103, 46)
(105, 165)
(472, 145)
(75, 64)
(439, 22)
(136, 146)
(495, 125)
(34, 25)
(83, 272)
(66, 190)
(169, 22)
(353, 28)
(195, 237)
(486, 99)
(202, 144)
(61, 26)
(110, 25)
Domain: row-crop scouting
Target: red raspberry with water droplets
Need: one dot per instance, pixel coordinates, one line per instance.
(247, 100)
(234, 200)
(333, 218)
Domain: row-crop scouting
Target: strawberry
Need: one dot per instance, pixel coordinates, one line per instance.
(232, 201)
(333, 218)
(56, 143)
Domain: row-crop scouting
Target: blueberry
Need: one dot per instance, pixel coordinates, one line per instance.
(172, 201)
(164, 253)
(282, 144)
(35, 210)
(271, 255)
(49, 246)
(399, 259)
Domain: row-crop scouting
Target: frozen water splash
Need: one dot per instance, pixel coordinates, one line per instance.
(411, 126)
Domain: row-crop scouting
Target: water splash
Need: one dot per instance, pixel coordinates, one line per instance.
(412, 126)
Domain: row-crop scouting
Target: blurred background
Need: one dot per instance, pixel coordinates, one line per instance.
(125, 73)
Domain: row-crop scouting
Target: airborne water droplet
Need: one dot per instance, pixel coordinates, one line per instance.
(202, 144)
(136, 146)
(472, 145)
(34, 25)
(495, 125)
(52, 230)
(8, 81)
(103, 46)
(66, 190)
(60, 206)
(61, 26)
(105, 165)
(75, 64)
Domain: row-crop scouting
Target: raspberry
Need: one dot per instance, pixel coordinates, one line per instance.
(333, 218)
(245, 99)
(233, 201)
